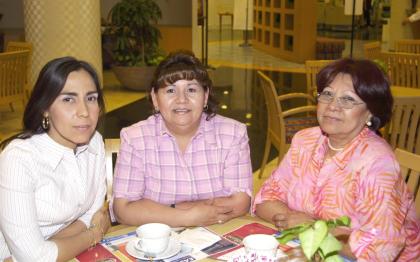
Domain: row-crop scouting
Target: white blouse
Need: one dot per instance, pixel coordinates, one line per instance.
(44, 187)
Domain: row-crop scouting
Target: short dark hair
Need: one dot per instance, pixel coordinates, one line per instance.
(183, 65)
(370, 83)
(50, 82)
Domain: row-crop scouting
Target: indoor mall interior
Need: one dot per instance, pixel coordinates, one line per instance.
(234, 38)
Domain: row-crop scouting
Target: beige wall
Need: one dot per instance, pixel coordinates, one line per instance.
(396, 29)
(216, 7)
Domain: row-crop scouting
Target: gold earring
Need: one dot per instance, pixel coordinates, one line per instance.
(369, 123)
(45, 123)
(205, 108)
(156, 111)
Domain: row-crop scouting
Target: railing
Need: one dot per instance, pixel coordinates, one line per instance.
(13, 74)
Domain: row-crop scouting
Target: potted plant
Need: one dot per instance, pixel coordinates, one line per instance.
(135, 37)
(316, 240)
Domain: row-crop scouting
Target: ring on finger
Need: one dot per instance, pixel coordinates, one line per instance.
(220, 221)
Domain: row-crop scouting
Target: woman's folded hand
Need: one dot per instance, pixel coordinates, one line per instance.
(207, 214)
(290, 219)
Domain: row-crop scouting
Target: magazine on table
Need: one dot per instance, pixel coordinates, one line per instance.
(196, 243)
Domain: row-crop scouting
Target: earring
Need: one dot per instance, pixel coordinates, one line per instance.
(205, 108)
(369, 123)
(156, 111)
(45, 123)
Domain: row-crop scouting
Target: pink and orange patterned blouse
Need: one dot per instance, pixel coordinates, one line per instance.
(363, 182)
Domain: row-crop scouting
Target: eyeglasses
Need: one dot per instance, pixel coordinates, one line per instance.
(346, 102)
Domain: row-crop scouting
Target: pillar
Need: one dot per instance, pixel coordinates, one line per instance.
(59, 28)
(397, 31)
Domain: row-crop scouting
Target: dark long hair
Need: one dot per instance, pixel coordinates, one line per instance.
(183, 65)
(50, 82)
(370, 83)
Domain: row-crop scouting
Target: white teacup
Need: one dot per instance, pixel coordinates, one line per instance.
(153, 238)
(261, 245)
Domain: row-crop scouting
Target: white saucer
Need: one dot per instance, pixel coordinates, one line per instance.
(173, 248)
(177, 229)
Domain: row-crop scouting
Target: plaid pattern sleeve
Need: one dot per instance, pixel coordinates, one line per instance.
(129, 169)
(237, 173)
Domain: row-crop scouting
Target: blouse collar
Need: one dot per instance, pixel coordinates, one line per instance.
(54, 152)
(341, 158)
(205, 128)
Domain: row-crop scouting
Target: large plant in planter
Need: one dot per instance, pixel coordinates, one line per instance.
(136, 40)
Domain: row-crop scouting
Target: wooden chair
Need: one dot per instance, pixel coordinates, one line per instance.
(23, 46)
(112, 146)
(277, 119)
(403, 131)
(408, 46)
(403, 68)
(312, 67)
(18, 46)
(410, 171)
(13, 72)
(372, 50)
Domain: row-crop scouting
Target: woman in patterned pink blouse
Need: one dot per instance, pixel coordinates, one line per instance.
(344, 167)
(185, 165)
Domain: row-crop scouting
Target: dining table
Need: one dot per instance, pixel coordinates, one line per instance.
(220, 229)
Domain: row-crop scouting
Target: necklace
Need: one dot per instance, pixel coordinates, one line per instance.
(334, 148)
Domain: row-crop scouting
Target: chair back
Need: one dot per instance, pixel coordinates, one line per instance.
(13, 72)
(18, 46)
(277, 119)
(403, 68)
(112, 146)
(23, 46)
(410, 171)
(403, 131)
(312, 68)
(372, 50)
(275, 122)
(408, 46)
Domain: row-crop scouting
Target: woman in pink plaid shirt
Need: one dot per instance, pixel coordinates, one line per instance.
(184, 165)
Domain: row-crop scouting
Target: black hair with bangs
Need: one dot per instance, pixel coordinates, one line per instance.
(183, 65)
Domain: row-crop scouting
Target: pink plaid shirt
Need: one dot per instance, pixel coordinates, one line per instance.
(150, 165)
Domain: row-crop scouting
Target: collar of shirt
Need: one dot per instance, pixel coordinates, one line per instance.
(340, 158)
(54, 152)
(204, 129)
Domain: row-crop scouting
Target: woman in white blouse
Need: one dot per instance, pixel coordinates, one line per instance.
(52, 175)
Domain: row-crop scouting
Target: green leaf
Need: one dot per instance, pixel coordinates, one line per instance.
(335, 258)
(307, 242)
(286, 238)
(291, 233)
(297, 229)
(311, 238)
(131, 23)
(330, 245)
(343, 221)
